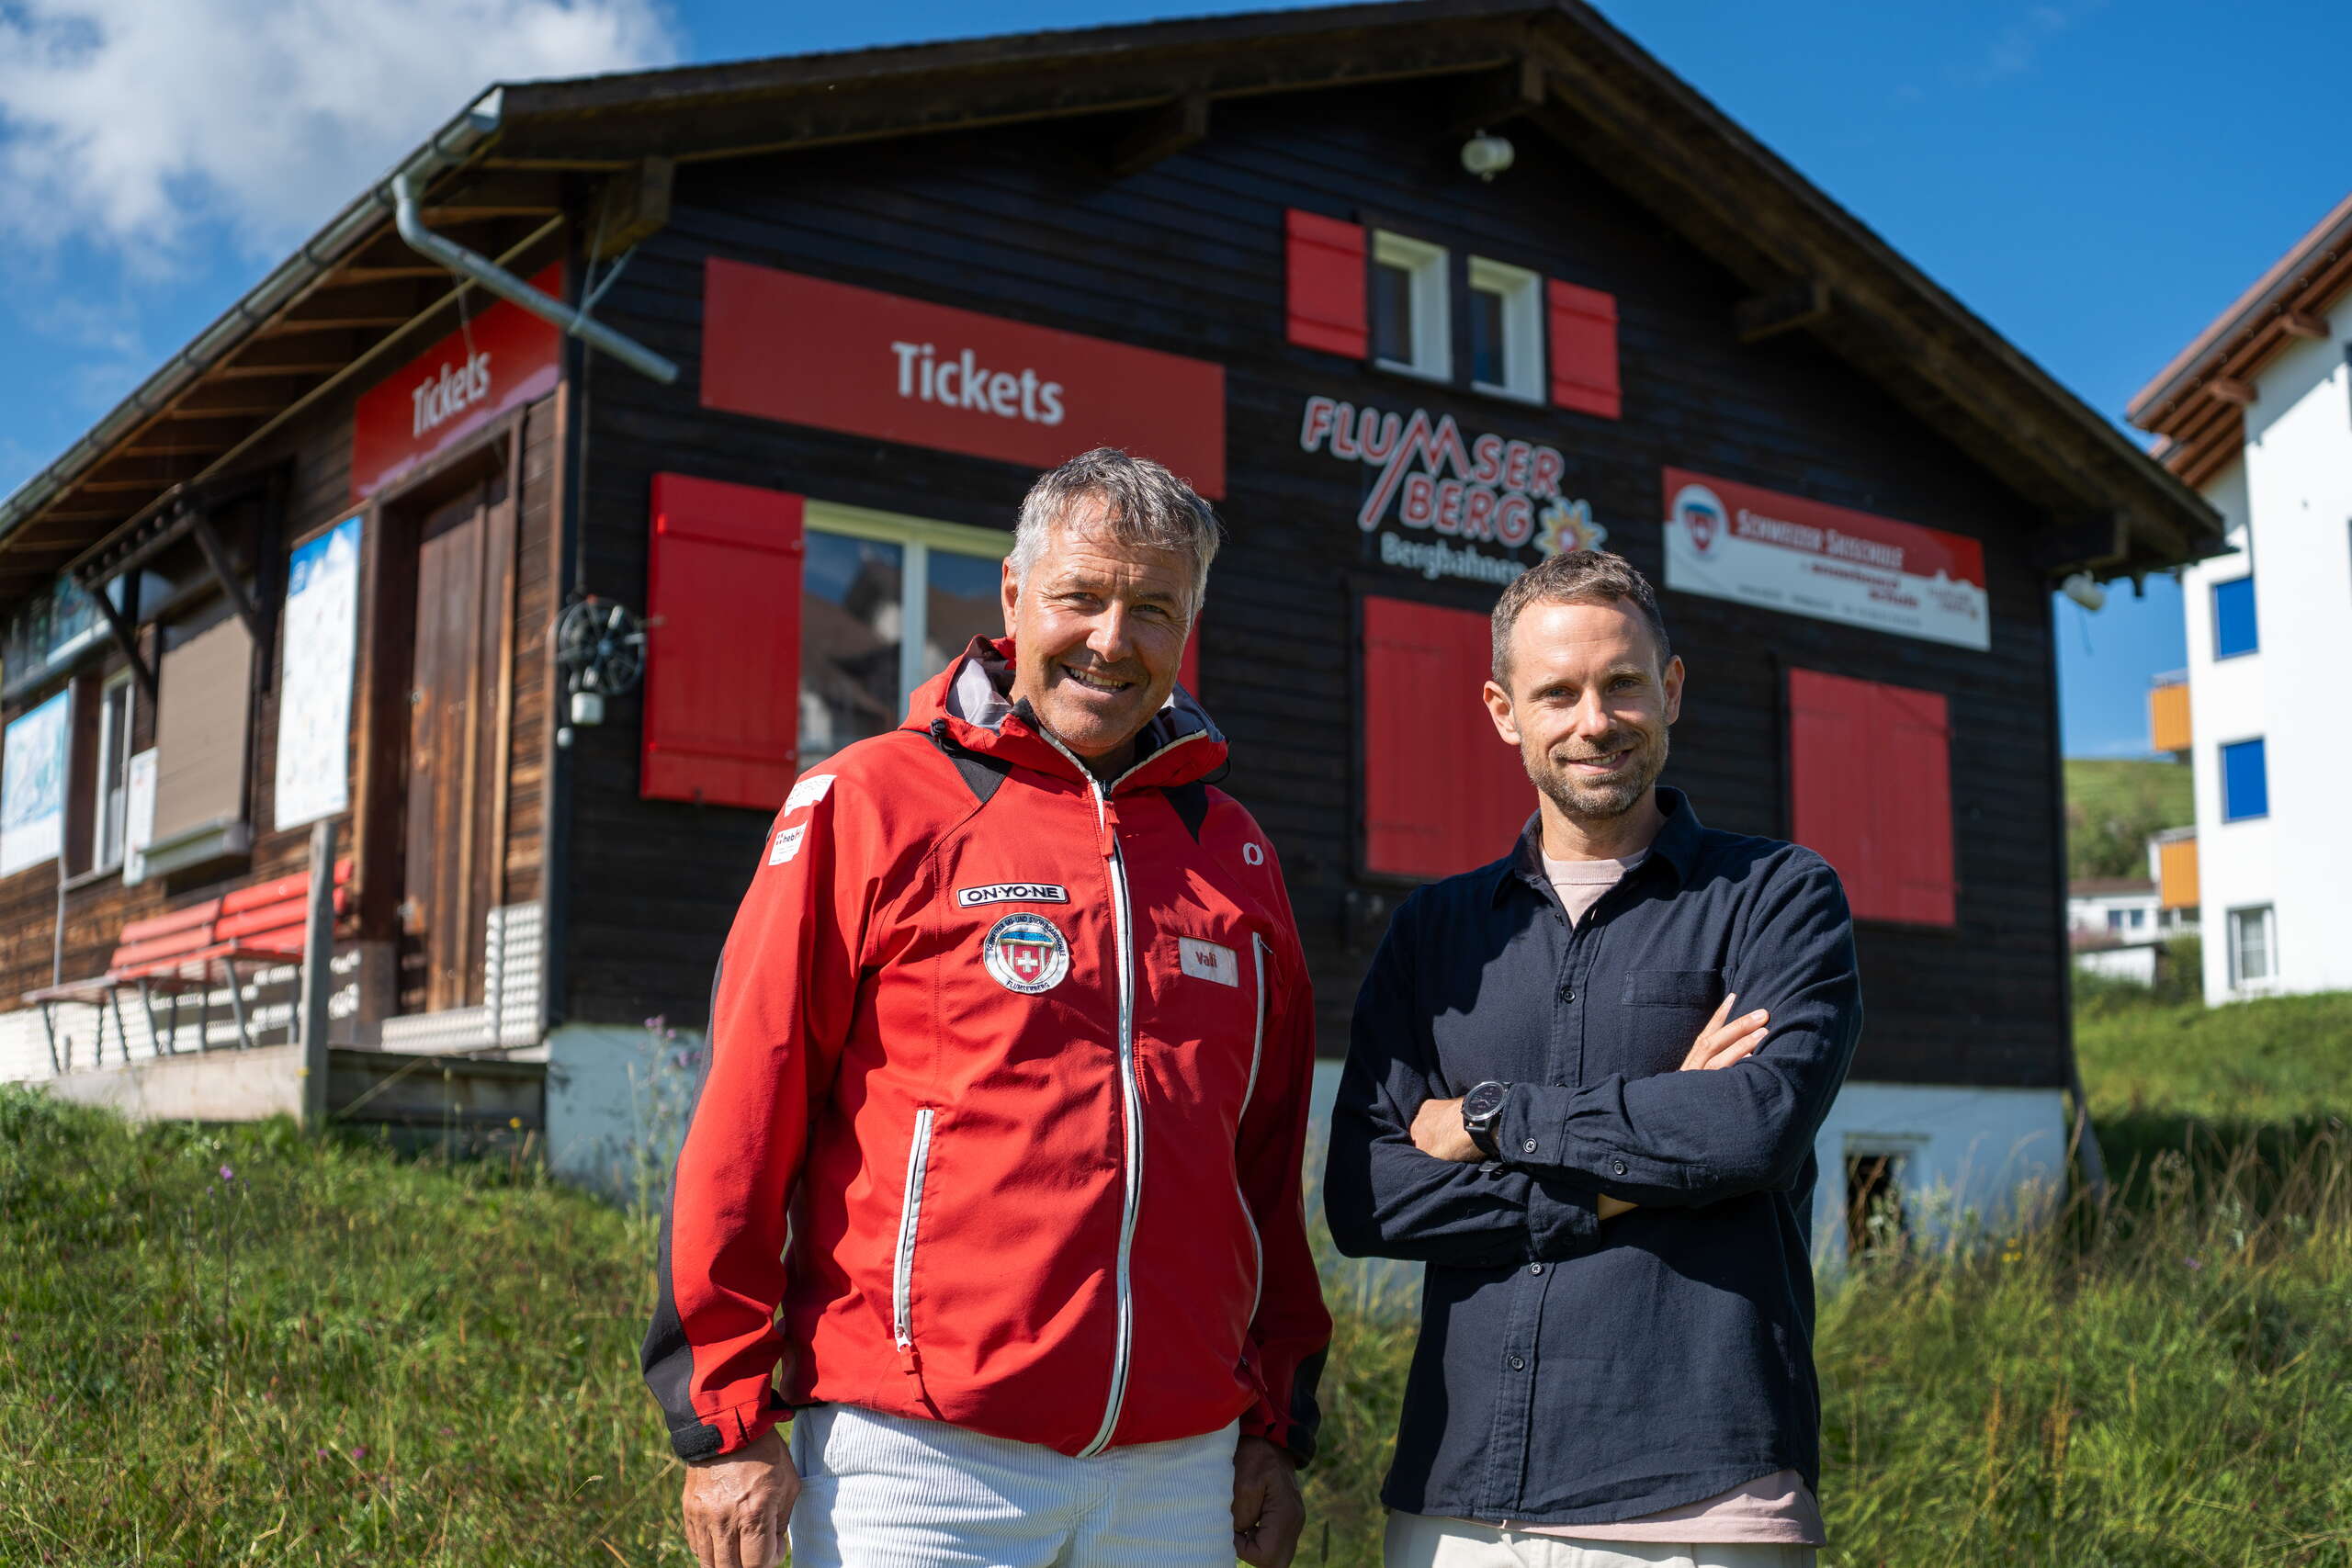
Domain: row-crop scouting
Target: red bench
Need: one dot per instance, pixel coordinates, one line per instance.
(197, 949)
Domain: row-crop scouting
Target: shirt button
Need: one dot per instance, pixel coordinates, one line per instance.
(1518, 1363)
(1567, 993)
(1617, 1168)
(1535, 1268)
(1528, 1146)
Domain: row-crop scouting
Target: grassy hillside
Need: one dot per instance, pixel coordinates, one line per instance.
(231, 1347)
(2113, 805)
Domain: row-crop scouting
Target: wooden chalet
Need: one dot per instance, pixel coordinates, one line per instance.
(1416, 292)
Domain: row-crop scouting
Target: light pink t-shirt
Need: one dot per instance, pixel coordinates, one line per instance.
(1776, 1509)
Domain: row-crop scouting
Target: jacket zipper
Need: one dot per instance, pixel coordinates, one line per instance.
(1130, 1093)
(902, 1270)
(1256, 1054)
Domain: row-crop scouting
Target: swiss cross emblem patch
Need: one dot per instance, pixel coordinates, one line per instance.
(1026, 952)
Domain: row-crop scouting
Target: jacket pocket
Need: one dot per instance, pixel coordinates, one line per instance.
(902, 1267)
(1673, 987)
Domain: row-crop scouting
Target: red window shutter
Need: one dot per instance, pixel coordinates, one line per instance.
(1584, 348)
(1869, 769)
(1326, 284)
(722, 657)
(1441, 791)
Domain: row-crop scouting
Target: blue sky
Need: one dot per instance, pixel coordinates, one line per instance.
(2097, 179)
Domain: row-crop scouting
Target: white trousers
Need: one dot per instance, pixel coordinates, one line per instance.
(1415, 1541)
(886, 1492)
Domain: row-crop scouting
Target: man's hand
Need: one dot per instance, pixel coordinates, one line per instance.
(1268, 1512)
(1721, 1043)
(1437, 1130)
(736, 1506)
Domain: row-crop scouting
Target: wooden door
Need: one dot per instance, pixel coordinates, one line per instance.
(455, 746)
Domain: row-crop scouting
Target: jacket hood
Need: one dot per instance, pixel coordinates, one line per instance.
(969, 704)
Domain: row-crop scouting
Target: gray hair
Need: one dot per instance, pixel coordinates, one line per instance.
(1142, 504)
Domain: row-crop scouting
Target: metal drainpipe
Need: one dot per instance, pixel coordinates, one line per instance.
(506, 286)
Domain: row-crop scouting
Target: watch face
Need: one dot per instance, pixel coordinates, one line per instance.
(1484, 1101)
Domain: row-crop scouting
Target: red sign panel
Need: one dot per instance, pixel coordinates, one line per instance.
(497, 361)
(801, 349)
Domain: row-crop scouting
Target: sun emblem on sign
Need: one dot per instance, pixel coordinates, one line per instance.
(1026, 952)
(1568, 528)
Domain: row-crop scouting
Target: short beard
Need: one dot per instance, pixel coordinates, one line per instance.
(1599, 801)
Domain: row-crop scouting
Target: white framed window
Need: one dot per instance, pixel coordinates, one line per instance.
(886, 600)
(110, 789)
(1506, 330)
(2253, 947)
(1877, 1175)
(1412, 329)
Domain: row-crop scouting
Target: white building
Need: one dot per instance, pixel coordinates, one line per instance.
(2256, 412)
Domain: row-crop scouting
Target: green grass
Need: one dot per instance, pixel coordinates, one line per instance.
(2112, 807)
(334, 1354)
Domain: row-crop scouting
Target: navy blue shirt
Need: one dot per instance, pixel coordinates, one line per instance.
(1571, 1370)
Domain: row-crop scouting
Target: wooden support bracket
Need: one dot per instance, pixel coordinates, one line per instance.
(216, 556)
(1497, 97)
(126, 635)
(2231, 389)
(2304, 323)
(1162, 133)
(633, 206)
(1800, 304)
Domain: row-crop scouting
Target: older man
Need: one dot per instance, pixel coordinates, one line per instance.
(1013, 1027)
(1615, 1364)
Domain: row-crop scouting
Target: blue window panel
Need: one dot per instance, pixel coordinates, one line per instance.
(2246, 783)
(2233, 630)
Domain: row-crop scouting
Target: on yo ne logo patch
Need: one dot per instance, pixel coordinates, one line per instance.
(1701, 512)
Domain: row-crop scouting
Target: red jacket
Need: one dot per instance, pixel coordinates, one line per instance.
(1026, 1062)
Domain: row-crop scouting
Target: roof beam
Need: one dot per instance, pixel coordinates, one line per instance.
(1162, 133)
(502, 194)
(2302, 323)
(245, 394)
(2231, 389)
(361, 305)
(1497, 98)
(633, 206)
(306, 354)
(191, 437)
(1802, 304)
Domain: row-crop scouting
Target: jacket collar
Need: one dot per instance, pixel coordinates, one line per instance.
(1675, 846)
(971, 704)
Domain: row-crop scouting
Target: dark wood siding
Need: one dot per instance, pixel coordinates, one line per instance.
(1188, 256)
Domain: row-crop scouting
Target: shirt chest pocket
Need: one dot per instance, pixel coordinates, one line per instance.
(1664, 1011)
(1212, 997)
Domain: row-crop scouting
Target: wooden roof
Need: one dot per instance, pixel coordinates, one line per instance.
(1141, 92)
(2197, 404)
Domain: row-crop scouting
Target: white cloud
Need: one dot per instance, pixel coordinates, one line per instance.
(129, 122)
(2018, 46)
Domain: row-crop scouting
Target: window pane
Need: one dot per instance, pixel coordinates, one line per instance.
(2233, 627)
(2246, 783)
(114, 757)
(850, 619)
(2249, 945)
(1489, 364)
(1392, 313)
(964, 604)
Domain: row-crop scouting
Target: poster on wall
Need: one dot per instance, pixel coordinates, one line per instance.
(139, 815)
(33, 785)
(317, 645)
(1782, 552)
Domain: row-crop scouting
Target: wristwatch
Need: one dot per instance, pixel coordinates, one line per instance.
(1480, 1109)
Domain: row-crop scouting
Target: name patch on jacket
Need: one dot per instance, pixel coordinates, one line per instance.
(1026, 952)
(1010, 893)
(788, 844)
(1207, 960)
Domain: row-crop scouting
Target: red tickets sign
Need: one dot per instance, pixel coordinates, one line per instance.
(501, 358)
(808, 352)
